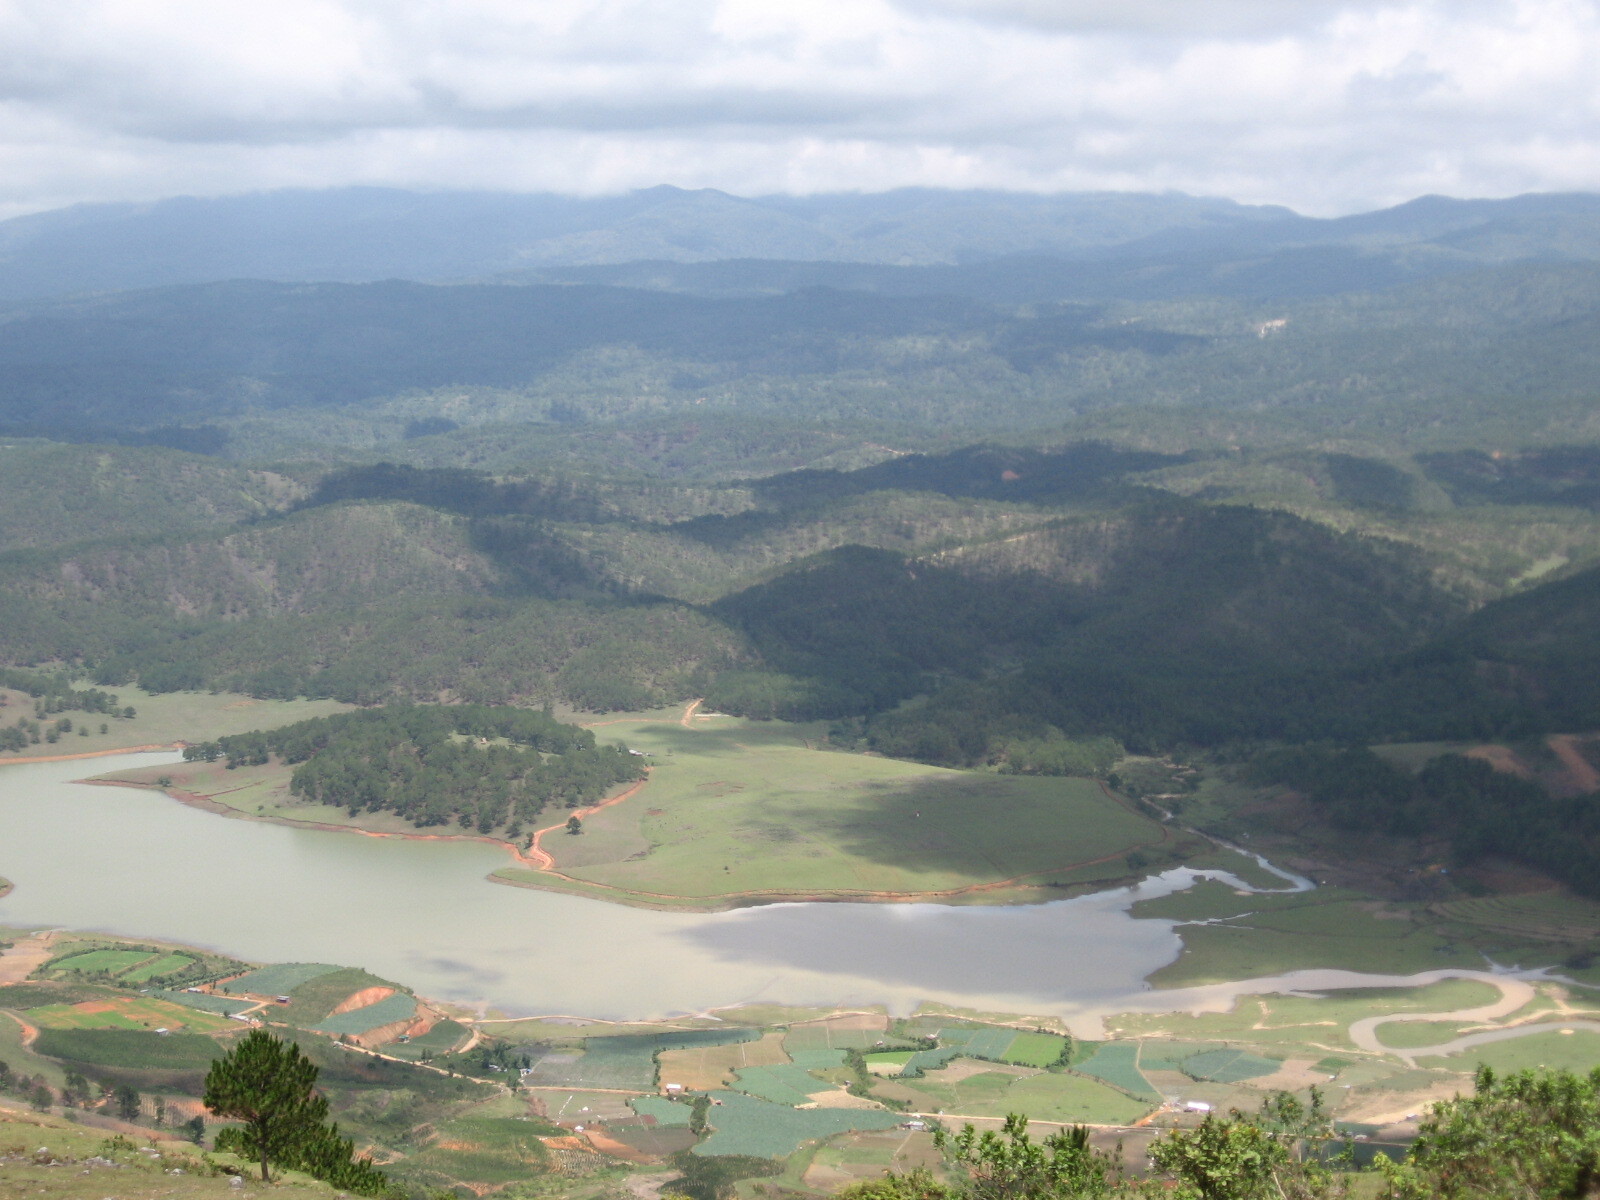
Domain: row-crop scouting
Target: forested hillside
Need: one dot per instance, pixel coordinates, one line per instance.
(977, 607)
(1098, 470)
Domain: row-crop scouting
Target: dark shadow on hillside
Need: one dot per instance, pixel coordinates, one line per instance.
(953, 822)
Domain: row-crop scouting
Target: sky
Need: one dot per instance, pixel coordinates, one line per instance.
(1326, 107)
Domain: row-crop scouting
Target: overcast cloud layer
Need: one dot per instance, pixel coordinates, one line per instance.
(1326, 107)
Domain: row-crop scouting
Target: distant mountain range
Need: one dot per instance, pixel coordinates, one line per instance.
(1083, 245)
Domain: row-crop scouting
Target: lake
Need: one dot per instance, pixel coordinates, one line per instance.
(137, 863)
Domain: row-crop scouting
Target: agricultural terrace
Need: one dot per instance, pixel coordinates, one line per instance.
(737, 810)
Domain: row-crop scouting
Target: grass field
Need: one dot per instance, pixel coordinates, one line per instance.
(112, 962)
(1035, 1049)
(746, 807)
(79, 1165)
(176, 716)
(1117, 1063)
(1315, 931)
(1578, 1051)
(1316, 1022)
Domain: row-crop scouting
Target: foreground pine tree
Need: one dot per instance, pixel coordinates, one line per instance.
(269, 1085)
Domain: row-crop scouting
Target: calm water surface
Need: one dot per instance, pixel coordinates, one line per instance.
(135, 862)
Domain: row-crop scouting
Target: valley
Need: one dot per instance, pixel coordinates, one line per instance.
(656, 724)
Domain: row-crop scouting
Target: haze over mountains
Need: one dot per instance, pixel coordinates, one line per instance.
(366, 234)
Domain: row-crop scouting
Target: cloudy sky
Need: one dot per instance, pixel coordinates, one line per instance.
(1328, 107)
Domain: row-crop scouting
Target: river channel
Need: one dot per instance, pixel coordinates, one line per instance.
(137, 863)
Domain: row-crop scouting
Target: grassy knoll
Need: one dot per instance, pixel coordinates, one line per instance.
(312, 1001)
(163, 719)
(82, 1164)
(742, 808)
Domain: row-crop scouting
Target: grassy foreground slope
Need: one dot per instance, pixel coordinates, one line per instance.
(739, 810)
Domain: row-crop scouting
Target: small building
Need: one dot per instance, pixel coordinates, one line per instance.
(672, 1089)
(1197, 1106)
(914, 1126)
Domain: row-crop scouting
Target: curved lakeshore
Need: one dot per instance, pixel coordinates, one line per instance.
(417, 909)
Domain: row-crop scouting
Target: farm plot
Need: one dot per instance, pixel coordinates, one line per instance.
(575, 1106)
(1227, 1065)
(1541, 916)
(482, 1151)
(125, 1012)
(168, 964)
(278, 980)
(858, 1031)
(1072, 1099)
(929, 1060)
(1035, 1049)
(110, 962)
(387, 1011)
(781, 1085)
(707, 1068)
(625, 1062)
(662, 1111)
(129, 1048)
(744, 1125)
(981, 1043)
(206, 1002)
(856, 1157)
(443, 1038)
(313, 1001)
(1117, 1063)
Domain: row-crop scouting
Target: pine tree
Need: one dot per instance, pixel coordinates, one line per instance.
(269, 1085)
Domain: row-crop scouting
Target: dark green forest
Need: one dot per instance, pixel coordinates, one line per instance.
(489, 769)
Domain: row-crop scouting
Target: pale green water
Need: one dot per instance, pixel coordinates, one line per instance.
(135, 862)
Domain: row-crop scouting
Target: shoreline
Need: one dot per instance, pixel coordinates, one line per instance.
(218, 808)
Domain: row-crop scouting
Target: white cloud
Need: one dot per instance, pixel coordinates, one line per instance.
(1325, 106)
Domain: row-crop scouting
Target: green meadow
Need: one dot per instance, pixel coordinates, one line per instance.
(162, 719)
(738, 808)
